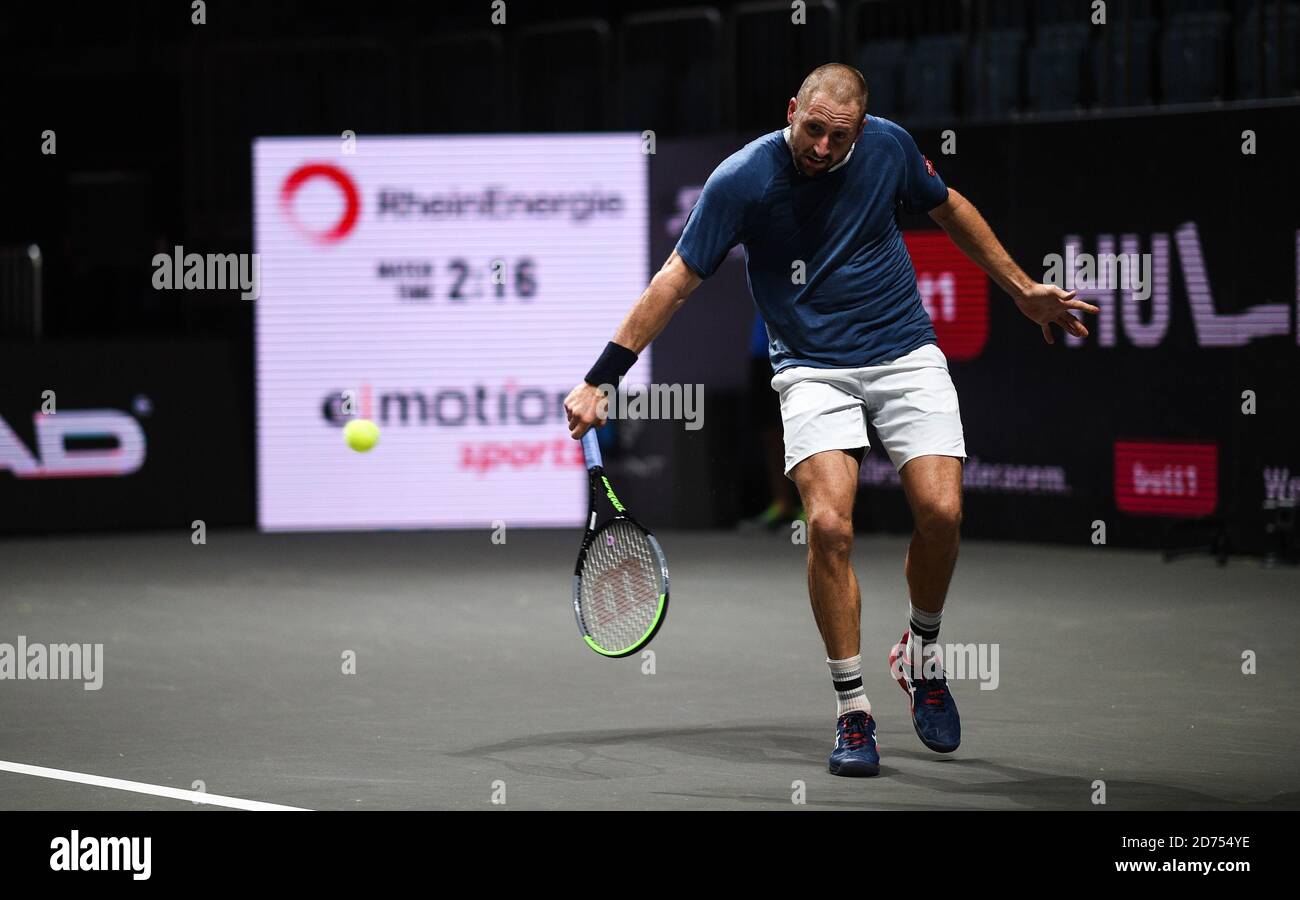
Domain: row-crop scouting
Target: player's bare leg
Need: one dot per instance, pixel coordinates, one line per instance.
(933, 488)
(828, 483)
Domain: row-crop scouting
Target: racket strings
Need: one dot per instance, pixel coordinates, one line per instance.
(622, 582)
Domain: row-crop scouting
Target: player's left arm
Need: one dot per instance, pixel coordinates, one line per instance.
(1045, 304)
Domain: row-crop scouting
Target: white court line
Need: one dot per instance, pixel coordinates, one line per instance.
(140, 787)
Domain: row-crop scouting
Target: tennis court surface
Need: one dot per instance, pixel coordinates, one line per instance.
(224, 664)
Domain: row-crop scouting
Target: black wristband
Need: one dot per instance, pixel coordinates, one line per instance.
(612, 365)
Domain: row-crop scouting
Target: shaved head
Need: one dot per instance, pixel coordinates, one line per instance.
(826, 117)
(838, 82)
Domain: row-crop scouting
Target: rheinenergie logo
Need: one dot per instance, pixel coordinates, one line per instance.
(497, 202)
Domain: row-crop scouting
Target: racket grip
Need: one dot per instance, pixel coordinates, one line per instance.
(591, 449)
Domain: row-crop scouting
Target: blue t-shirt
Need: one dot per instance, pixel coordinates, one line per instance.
(758, 346)
(856, 303)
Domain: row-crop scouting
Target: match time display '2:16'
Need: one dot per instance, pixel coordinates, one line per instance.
(459, 280)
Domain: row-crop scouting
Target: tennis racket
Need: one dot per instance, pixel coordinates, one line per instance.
(620, 585)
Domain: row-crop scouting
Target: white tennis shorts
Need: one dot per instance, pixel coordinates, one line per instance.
(911, 402)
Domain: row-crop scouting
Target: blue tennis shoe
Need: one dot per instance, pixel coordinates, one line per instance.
(934, 712)
(855, 753)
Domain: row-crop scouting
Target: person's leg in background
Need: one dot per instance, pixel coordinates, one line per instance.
(765, 405)
(785, 497)
(765, 413)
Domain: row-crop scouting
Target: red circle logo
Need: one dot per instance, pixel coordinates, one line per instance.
(351, 200)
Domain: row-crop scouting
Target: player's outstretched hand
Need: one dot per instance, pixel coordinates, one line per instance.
(585, 406)
(1048, 305)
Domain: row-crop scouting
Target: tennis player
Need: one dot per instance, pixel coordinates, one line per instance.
(814, 206)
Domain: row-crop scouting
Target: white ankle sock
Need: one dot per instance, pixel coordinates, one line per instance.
(846, 675)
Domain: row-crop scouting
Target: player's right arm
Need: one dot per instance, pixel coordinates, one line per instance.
(664, 295)
(715, 225)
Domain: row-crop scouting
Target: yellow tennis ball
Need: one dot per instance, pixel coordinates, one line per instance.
(361, 434)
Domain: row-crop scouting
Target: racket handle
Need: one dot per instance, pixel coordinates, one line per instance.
(591, 449)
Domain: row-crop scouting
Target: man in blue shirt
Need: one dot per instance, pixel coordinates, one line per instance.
(814, 207)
